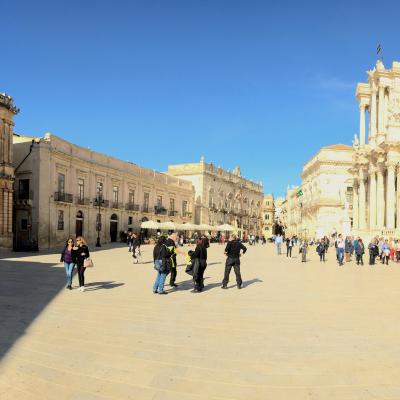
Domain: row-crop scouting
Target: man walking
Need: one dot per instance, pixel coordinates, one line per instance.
(278, 243)
(232, 251)
(340, 249)
(171, 260)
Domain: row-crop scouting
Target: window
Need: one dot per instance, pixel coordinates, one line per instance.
(130, 220)
(267, 217)
(23, 189)
(349, 194)
(131, 197)
(61, 183)
(115, 194)
(146, 198)
(81, 189)
(159, 201)
(99, 189)
(172, 204)
(184, 208)
(24, 224)
(60, 220)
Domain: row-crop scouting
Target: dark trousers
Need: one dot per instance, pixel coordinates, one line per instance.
(322, 256)
(172, 278)
(371, 259)
(81, 275)
(359, 258)
(289, 251)
(235, 263)
(385, 260)
(198, 273)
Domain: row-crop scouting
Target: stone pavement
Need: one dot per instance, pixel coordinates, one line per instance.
(295, 331)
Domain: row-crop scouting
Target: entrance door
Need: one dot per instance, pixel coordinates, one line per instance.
(79, 224)
(114, 227)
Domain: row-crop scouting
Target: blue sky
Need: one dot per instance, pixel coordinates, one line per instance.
(260, 84)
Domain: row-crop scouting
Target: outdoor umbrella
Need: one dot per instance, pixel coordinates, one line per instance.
(150, 225)
(169, 226)
(226, 228)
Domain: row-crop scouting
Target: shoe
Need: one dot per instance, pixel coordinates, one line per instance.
(69, 287)
(173, 284)
(82, 288)
(224, 287)
(163, 292)
(155, 291)
(239, 286)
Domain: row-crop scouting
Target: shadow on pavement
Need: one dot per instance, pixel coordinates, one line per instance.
(26, 288)
(102, 285)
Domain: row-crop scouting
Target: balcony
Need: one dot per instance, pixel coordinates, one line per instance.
(212, 207)
(145, 209)
(116, 205)
(63, 197)
(186, 214)
(132, 207)
(103, 203)
(23, 198)
(173, 213)
(83, 201)
(160, 210)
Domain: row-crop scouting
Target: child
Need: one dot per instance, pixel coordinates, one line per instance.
(189, 264)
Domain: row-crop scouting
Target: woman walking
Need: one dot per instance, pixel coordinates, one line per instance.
(199, 258)
(360, 250)
(160, 256)
(385, 252)
(82, 253)
(68, 256)
(289, 247)
(321, 250)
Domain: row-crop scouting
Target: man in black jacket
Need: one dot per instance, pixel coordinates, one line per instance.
(232, 251)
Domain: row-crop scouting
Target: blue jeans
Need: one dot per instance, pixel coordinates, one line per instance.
(159, 283)
(340, 255)
(69, 269)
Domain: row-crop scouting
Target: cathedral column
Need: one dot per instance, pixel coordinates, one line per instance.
(380, 199)
(390, 196)
(361, 201)
(381, 108)
(362, 124)
(355, 204)
(372, 198)
(372, 116)
(398, 199)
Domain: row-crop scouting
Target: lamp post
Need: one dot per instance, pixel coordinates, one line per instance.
(99, 200)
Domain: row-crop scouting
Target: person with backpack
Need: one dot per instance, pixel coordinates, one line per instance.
(348, 248)
(160, 257)
(171, 260)
(199, 260)
(321, 250)
(360, 252)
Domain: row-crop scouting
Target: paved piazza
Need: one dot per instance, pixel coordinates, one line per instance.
(295, 331)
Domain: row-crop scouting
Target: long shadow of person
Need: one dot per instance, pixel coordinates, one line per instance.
(102, 285)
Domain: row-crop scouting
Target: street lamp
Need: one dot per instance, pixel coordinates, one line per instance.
(99, 200)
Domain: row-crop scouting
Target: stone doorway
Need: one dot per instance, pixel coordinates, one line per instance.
(113, 227)
(79, 224)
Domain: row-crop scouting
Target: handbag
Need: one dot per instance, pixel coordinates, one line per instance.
(88, 263)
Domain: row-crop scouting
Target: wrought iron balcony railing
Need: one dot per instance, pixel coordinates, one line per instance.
(63, 197)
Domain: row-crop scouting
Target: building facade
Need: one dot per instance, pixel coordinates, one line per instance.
(7, 112)
(223, 197)
(268, 215)
(64, 190)
(376, 161)
(325, 203)
(292, 212)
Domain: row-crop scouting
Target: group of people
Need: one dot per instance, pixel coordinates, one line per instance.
(74, 254)
(165, 262)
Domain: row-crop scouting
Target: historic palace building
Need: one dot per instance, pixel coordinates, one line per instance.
(223, 197)
(268, 215)
(7, 112)
(376, 161)
(326, 197)
(63, 190)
